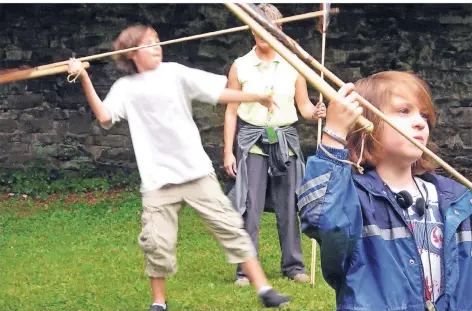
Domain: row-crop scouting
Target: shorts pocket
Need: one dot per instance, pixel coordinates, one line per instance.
(146, 238)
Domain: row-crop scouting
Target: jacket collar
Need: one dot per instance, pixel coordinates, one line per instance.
(448, 190)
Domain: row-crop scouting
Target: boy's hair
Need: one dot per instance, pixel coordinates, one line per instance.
(380, 89)
(129, 38)
(270, 11)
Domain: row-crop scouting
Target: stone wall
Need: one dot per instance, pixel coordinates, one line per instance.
(48, 118)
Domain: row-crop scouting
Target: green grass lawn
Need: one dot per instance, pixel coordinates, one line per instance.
(65, 255)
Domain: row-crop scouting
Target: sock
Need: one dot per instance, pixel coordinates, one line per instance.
(264, 289)
(160, 304)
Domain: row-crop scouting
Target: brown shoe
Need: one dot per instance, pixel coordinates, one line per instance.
(301, 278)
(241, 282)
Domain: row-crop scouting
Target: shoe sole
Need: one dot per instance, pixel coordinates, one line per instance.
(284, 304)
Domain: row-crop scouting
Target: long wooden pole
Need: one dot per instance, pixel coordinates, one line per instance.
(323, 46)
(327, 91)
(318, 138)
(323, 49)
(9, 77)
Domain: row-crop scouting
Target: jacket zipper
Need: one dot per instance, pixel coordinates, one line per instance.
(416, 245)
(418, 258)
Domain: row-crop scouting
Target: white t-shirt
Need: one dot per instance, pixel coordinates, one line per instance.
(158, 107)
(432, 236)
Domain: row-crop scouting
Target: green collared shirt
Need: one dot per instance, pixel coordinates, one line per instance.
(277, 77)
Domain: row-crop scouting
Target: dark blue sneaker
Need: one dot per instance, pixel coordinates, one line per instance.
(158, 308)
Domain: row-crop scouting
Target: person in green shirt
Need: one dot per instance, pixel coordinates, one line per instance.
(270, 164)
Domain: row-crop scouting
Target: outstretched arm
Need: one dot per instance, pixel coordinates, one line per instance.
(101, 113)
(230, 96)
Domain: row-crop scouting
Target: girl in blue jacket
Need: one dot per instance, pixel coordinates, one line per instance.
(395, 236)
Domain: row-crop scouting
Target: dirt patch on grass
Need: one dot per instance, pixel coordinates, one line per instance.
(24, 205)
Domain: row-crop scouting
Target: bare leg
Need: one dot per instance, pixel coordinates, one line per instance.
(270, 298)
(225, 224)
(256, 275)
(158, 286)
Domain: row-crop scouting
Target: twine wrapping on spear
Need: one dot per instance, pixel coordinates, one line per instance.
(316, 81)
(28, 74)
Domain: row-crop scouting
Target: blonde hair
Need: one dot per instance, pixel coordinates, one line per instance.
(380, 89)
(129, 38)
(270, 11)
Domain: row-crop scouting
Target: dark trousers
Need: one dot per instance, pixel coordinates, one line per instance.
(281, 191)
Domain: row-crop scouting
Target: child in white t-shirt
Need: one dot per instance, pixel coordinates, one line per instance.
(156, 100)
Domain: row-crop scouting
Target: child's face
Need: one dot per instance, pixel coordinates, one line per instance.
(148, 58)
(413, 121)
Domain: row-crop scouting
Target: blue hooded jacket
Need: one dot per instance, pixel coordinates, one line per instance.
(368, 253)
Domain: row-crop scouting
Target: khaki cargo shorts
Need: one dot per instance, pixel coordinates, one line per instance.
(158, 237)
